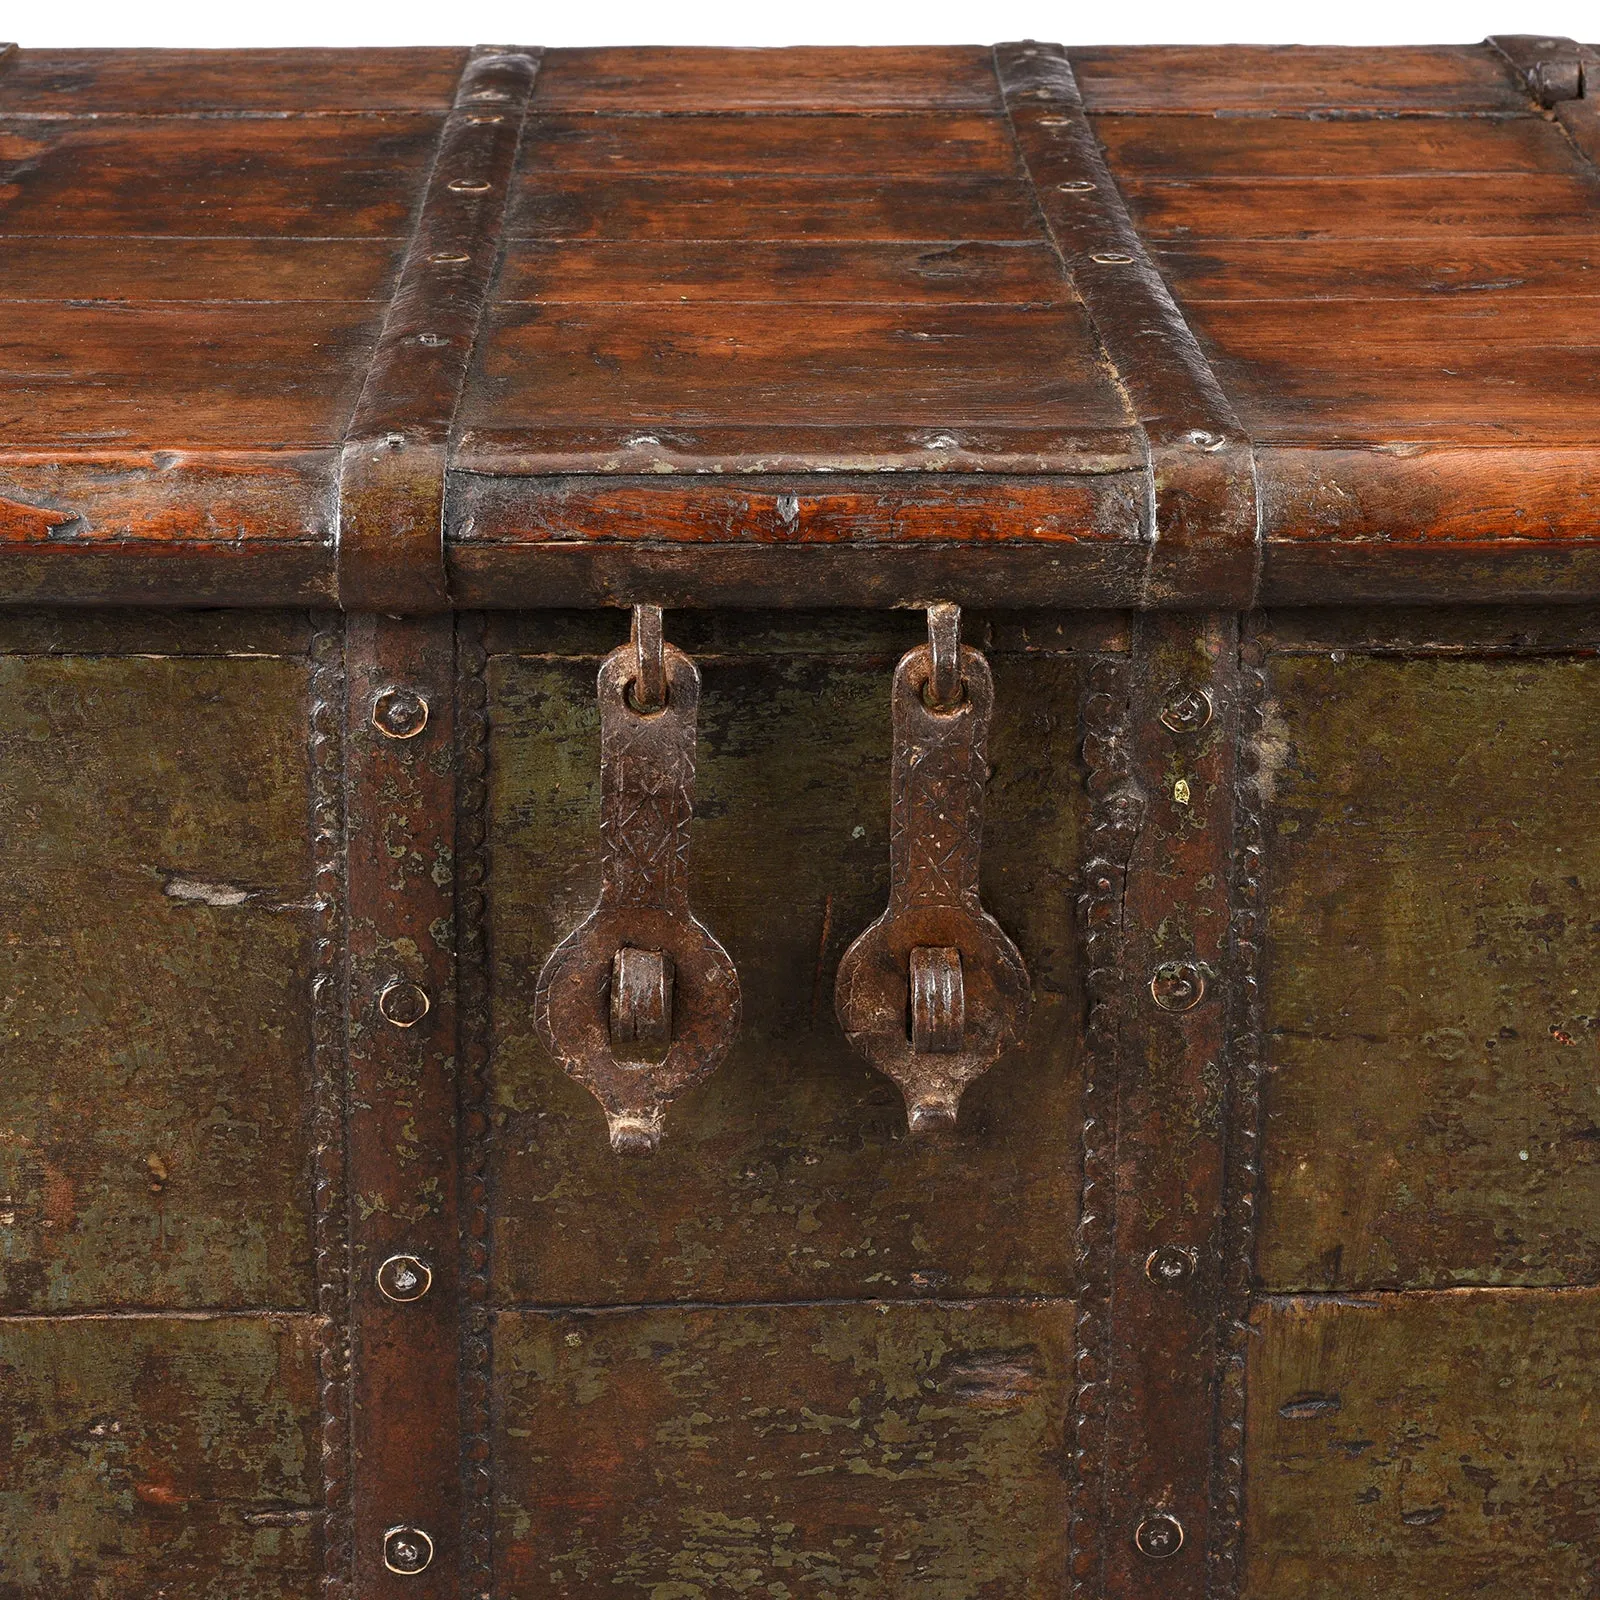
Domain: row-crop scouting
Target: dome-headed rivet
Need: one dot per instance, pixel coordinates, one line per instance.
(407, 1550)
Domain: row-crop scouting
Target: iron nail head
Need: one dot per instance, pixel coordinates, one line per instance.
(1169, 1265)
(1178, 986)
(1076, 186)
(1112, 258)
(468, 185)
(399, 713)
(404, 1279)
(1158, 1535)
(1186, 710)
(407, 1550)
(404, 1004)
(449, 258)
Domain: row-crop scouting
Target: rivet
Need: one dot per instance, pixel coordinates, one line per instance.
(1075, 186)
(1158, 1535)
(1055, 122)
(404, 1278)
(1112, 258)
(481, 117)
(468, 185)
(400, 713)
(1178, 986)
(449, 258)
(488, 94)
(404, 1004)
(1186, 710)
(1169, 1265)
(408, 1550)
(1040, 94)
(1203, 440)
(431, 340)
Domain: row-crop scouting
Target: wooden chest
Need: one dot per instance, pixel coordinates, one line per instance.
(1092, 563)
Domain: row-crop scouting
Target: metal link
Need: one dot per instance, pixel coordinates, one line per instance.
(650, 665)
(944, 645)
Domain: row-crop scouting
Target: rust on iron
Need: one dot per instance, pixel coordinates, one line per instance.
(1158, 1231)
(401, 1044)
(933, 992)
(1204, 547)
(639, 1001)
(391, 554)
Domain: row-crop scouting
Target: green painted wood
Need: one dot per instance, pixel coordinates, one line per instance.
(1413, 1447)
(155, 947)
(788, 1173)
(875, 1452)
(1433, 966)
(159, 1457)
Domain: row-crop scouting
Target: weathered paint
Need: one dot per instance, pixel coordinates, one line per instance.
(878, 1452)
(788, 1172)
(1433, 1105)
(1408, 1447)
(159, 1456)
(155, 946)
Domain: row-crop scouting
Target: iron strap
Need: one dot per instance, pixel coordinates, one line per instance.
(1204, 547)
(395, 455)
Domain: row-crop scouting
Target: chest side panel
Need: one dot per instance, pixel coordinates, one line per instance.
(1425, 1263)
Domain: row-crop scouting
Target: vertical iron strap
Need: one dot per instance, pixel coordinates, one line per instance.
(1204, 542)
(392, 470)
(400, 842)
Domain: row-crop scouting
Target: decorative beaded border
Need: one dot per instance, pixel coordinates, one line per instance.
(473, 1054)
(1242, 1157)
(1116, 808)
(327, 714)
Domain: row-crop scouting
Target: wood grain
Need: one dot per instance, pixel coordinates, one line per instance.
(587, 206)
(795, 274)
(156, 1456)
(908, 144)
(156, 1016)
(874, 1452)
(1417, 1445)
(166, 83)
(806, 78)
(323, 178)
(1430, 1101)
(1440, 79)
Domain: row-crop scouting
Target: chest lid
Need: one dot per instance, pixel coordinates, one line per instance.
(404, 330)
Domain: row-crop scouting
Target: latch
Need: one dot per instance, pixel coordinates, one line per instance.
(934, 991)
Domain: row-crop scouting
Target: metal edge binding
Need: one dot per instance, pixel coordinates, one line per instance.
(394, 459)
(1205, 546)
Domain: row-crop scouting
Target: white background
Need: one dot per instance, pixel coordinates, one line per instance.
(775, 22)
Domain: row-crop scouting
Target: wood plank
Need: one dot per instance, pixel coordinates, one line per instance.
(1431, 494)
(97, 83)
(670, 273)
(788, 1173)
(156, 1026)
(152, 270)
(804, 78)
(1339, 269)
(891, 1451)
(176, 376)
(1342, 372)
(582, 206)
(338, 177)
(1441, 206)
(929, 367)
(898, 145)
(1192, 148)
(1448, 79)
(1417, 1445)
(55, 499)
(1430, 1091)
(159, 1457)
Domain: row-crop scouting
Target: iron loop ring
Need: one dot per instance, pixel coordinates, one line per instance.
(650, 661)
(944, 646)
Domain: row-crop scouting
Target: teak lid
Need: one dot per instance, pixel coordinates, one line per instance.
(407, 329)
